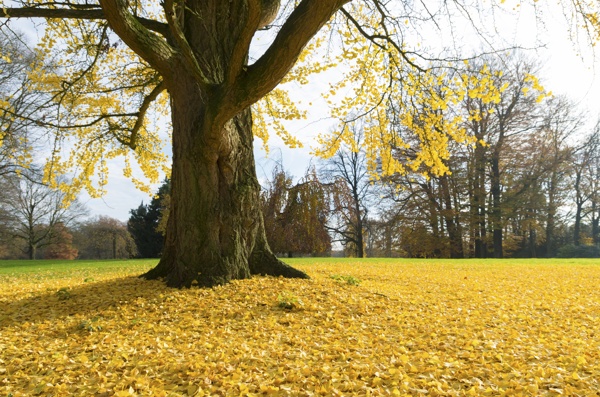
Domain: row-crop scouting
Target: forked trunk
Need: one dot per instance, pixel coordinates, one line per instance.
(215, 232)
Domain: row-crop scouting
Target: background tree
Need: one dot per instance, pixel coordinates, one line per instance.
(383, 236)
(351, 192)
(583, 176)
(273, 202)
(594, 208)
(295, 215)
(561, 122)
(61, 246)
(453, 211)
(39, 213)
(104, 238)
(145, 222)
(495, 126)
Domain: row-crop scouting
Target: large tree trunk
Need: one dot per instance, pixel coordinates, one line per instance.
(477, 204)
(496, 213)
(452, 221)
(215, 231)
(551, 215)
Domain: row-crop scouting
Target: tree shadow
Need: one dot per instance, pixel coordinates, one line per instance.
(85, 299)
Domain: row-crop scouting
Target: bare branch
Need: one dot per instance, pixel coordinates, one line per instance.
(377, 39)
(152, 48)
(142, 112)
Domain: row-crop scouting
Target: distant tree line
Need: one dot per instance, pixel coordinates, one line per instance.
(526, 185)
(36, 224)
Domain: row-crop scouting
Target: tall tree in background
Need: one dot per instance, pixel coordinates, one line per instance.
(39, 213)
(594, 182)
(561, 122)
(514, 114)
(351, 191)
(199, 51)
(295, 214)
(583, 174)
(494, 125)
(144, 224)
(104, 238)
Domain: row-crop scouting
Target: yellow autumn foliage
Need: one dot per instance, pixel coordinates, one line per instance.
(436, 328)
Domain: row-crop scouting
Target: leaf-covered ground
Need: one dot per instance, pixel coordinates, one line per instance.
(410, 328)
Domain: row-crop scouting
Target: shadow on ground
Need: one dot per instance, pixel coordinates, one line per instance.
(85, 299)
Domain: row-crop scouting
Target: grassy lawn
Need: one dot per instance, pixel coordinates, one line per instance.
(411, 327)
(57, 268)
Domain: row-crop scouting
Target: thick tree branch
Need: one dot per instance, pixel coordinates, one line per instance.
(264, 75)
(91, 123)
(140, 39)
(89, 13)
(142, 113)
(172, 12)
(241, 48)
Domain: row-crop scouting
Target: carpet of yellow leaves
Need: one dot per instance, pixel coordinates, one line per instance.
(409, 329)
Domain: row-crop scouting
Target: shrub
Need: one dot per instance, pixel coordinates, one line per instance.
(578, 251)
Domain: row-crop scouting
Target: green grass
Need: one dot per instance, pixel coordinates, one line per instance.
(33, 271)
(59, 266)
(451, 262)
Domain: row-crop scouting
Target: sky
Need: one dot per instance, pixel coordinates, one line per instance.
(569, 69)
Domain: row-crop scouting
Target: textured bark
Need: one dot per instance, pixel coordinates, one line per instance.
(215, 231)
(496, 210)
(452, 221)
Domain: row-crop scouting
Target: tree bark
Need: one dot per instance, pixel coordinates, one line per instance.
(452, 221)
(496, 213)
(215, 231)
(478, 208)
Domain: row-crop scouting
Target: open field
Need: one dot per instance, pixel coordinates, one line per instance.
(411, 327)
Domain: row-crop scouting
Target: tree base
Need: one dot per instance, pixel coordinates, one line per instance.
(261, 263)
(268, 265)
